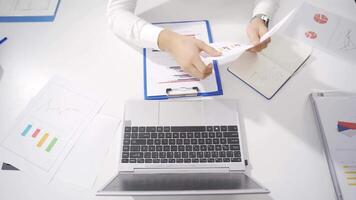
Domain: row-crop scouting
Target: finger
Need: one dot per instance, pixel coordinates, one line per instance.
(208, 49)
(191, 70)
(199, 64)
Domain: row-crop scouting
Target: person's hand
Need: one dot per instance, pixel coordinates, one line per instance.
(255, 30)
(186, 51)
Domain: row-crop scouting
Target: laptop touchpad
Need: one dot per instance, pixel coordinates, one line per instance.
(181, 113)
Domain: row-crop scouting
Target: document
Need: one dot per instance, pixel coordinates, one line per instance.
(325, 30)
(28, 10)
(232, 51)
(47, 129)
(163, 74)
(336, 117)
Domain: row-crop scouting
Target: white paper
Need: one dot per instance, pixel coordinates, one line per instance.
(324, 30)
(341, 140)
(231, 51)
(10, 8)
(84, 161)
(45, 132)
(162, 71)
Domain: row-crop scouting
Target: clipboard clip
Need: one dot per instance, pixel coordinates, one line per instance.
(182, 92)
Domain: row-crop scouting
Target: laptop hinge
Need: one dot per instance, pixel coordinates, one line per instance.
(181, 170)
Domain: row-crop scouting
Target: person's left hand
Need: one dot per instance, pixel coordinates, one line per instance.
(255, 30)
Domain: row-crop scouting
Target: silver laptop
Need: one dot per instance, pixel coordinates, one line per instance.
(181, 148)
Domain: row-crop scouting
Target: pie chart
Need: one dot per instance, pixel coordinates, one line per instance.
(320, 18)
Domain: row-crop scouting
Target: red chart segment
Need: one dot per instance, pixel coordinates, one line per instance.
(344, 126)
(311, 35)
(320, 18)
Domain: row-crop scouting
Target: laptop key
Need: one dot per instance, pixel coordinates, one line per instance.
(214, 154)
(174, 148)
(234, 147)
(203, 160)
(235, 159)
(127, 135)
(230, 134)
(138, 142)
(179, 141)
(226, 159)
(144, 148)
(151, 129)
(207, 154)
(154, 154)
(125, 154)
(203, 148)
(200, 154)
(222, 154)
(237, 154)
(204, 134)
(197, 135)
(154, 135)
(162, 154)
(180, 160)
(195, 160)
(190, 135)
(229, 154)
(211, 147)
(170, 154)
(232, 141)
(195, 147)
(183, 135)
(185, 154)
(144, 135)
(211, 134)
(211, 160)
(171, 160)
(201, 141)
(192, 154)
(142, 129)
(208, 141)
(164, 141)
(164, 160)
(136, 155)
(218, 134)
(126, 141)
(151, 148)
(187, 160)
(225, 147)
(194, 141)
(222, 141)
(186, 141)
(147, 155)
(127, 129)
(215, 141)
(141, 160)
(134, 129)
(159, 148)
(134, 135)
(218, 159)
(189, 148)
(223, 128)
(124, 160)
(218, 147)
(209, 128)
(156, 160)
(177, 154)
(172, 141)
(159, 129)
(232, 128)
(168, 135)
(216, 128)
(134, 148)
(175, 135)
(133, 160)
(181, 148)
(166, 148)
(126, 148)
(148, 160)
(166, 129)
(160, 135)
(150, 141)
(157, 141)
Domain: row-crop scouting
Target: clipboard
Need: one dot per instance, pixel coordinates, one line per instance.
(181, 89)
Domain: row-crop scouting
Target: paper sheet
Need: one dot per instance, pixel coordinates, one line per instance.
(45, 132)
(162, 71)
(11, 8)
(325, 30)
(337, 114)
(84, 161)
(232, 51)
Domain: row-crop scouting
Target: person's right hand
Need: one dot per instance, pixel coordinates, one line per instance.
(186, 51)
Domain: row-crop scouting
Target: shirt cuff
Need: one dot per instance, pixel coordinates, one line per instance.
(149, 35)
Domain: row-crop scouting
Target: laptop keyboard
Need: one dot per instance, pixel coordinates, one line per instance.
(181, 144)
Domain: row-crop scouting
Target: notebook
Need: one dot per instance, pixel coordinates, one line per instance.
(267, 71)
(335, 114)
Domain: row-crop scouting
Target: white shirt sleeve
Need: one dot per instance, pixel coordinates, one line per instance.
(267, 7)
(126, 25)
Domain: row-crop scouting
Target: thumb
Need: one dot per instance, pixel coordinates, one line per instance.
(208, 49)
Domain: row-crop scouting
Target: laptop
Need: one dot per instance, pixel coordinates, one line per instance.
(185, 147)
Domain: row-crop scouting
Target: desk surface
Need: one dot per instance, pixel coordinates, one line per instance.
(285, 150)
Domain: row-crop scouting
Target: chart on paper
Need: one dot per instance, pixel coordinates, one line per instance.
(48, 124)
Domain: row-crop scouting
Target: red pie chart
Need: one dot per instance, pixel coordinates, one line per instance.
(311, 35)
(320, 18)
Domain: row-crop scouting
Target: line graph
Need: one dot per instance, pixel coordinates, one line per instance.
(348, 43)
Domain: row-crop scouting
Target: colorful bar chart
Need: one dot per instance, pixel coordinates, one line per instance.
(350, 174)
(347, 128)
(43, 139)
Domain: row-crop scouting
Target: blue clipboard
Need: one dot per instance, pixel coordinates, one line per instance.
(219, 90)
(44, 18)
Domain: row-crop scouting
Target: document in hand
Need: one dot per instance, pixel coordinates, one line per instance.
(267, 71)
(164, 78)
(231, 51)
(335, 114)
(28, 10)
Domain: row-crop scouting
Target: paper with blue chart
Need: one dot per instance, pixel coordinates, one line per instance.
(45, 132)
(28, 10)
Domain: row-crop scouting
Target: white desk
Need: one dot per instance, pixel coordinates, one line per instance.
(284, 147)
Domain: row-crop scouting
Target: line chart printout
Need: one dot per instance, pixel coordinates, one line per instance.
(325, 30)
(46, 130)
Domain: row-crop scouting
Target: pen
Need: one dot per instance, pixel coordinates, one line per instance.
(3, 40)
